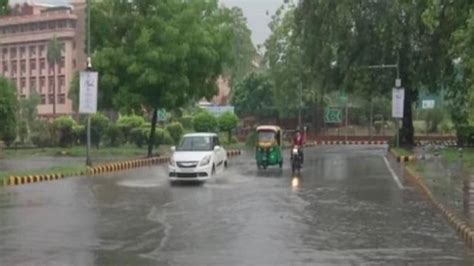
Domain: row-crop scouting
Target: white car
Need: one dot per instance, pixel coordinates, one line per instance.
(198, 157)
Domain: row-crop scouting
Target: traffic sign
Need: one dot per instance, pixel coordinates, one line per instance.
(333, 115)
(428, 104)
(161, 114)
(398, 98)
(88, 92)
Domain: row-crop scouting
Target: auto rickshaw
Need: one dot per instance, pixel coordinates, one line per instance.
(268, 150)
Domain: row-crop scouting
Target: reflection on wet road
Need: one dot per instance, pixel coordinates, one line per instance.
(344, 209)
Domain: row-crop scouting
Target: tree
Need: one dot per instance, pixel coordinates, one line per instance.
(63, 130)
(357, 34)
(29, 112)
(254, 96)
(176, 131)
(228, 122)
(243, 50)
(99, 125)
(205, 122)
(4, 7)
(54, 57)
(161, 53)
(8, 109)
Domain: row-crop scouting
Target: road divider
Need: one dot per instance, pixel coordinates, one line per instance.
(406, 158)
(352, 142)
(96, 170)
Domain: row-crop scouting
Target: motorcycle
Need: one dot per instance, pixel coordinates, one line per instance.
(296, 159)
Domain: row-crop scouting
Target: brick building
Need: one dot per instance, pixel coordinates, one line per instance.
(24, 37)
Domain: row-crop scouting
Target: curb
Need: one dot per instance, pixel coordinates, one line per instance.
(352, 142)
(462, 228)
(409, 158)
(96, 170)
(447, 143)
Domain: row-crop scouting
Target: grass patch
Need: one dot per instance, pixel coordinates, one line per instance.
(402, 151)
(80, 151)
(66, 170)
(452, 155)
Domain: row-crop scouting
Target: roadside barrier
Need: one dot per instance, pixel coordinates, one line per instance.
(446, 143)
(96, 170)
(406, 158)
(352, 142)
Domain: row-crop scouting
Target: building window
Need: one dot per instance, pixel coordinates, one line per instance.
(62, 24)
(51, 98)
(52, 25)
(42, 66)
(14, 68)
(32, 83)
(33, 26)
(23, 67)
(74, 45)
(74, 63)
(13, 53)
(51, 69)
(32, 65)
(43, 99)
(62, 83)
(42, 51)
(43, 26)
(5, 68)
(42, 83)
(22, 52)
(61, 98)
(5, 53)
(22, 83)
(32, 51)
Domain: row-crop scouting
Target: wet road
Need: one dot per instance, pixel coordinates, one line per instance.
(346, 210)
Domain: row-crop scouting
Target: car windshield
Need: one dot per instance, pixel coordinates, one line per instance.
(266, 136)
(195, 143)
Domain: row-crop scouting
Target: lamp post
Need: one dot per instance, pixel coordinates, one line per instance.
(88, 68)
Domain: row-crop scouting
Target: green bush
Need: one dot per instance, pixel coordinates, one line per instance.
(138, 137)
(378, 125)
(176, 131)
(187, 122)
(114, 136)
(446, 127)
(23, 131)
(127, 123)
(465, 135)
(80, 134)
(228, 122)
(433, 118)
(251, 139)
(63, 129)
(99, 124)
(41, 134)
(167, 139)
(205, 122)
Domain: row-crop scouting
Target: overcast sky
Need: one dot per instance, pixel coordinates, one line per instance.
(254, 10)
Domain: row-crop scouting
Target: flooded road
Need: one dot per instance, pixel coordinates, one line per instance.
(346, 208)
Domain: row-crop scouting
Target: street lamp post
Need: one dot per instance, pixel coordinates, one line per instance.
(88, 68)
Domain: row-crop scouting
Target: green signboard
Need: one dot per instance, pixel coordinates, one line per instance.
(162, 115)
(333, 115)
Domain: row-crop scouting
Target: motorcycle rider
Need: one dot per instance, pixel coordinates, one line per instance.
(298, 141)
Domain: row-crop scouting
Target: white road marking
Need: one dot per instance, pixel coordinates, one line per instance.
(394, 175)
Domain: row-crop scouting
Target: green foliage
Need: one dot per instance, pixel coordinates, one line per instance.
(433, 118)
(41, 135)
(176, 131)
(23, 131)
(228, 122)
(465, 135)
(446, 126)
(8, 109)
(4, 7)
(138, 137)
(187, 122)
(99, 124)
(80, 134)
(251, 139)
(28, 111)
(378, 125)
(129, 122)
(254, 96)
(205, 122)
(114, 136)
(63, 130)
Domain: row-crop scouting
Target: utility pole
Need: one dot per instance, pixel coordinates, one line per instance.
(299, 105)
(88, 68)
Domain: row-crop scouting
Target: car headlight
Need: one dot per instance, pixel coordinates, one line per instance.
(172, 161)
(205, 161)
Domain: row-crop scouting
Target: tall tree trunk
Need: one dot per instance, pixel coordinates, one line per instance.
(54, 91)
(151, 139)
(407, 132)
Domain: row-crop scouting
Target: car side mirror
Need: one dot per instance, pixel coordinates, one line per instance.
(217, 148)
(173, 148)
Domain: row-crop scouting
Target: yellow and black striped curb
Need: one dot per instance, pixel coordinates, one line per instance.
(447, 143)
(22, 180)
(406, 158)
(352, 142)
(462, 228)
(96, 170)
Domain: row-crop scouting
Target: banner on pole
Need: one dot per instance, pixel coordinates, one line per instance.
(88, 92)
(398, 98)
